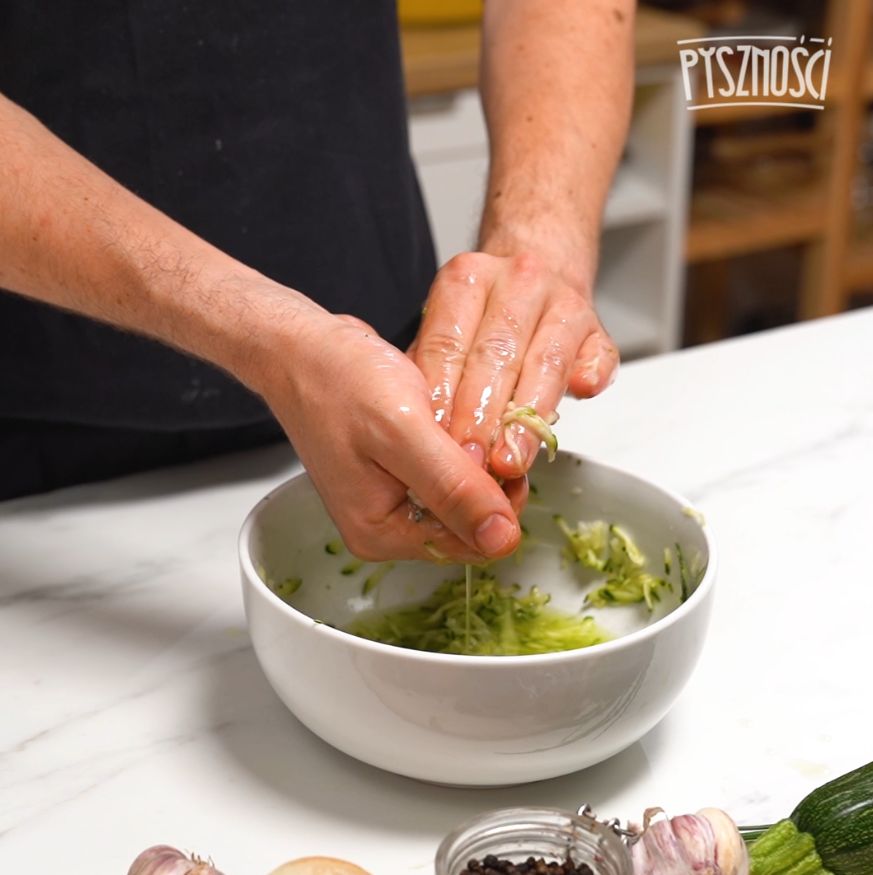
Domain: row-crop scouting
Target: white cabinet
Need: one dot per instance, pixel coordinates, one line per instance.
(450, 147)
(639, 284)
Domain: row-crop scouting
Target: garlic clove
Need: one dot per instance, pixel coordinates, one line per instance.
(697, 840)
(658, 852)
(731, 853)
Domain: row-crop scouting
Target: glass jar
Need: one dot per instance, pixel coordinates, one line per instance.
(518, 833)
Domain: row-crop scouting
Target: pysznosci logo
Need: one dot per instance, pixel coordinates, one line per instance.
(755, 70)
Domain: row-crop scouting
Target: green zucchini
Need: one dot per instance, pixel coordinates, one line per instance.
(782, 850)
(831, 831)
(839, 815)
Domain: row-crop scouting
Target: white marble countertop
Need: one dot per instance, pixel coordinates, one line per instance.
(134, 712)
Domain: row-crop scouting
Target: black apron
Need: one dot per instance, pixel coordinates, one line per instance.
(275, 130)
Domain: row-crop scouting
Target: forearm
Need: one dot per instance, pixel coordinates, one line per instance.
(355, 407)
(71, 236)
(557, 83)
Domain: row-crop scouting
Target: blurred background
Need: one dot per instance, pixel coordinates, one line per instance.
(722, 221)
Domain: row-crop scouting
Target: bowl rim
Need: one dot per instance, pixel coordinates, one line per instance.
(253, 579)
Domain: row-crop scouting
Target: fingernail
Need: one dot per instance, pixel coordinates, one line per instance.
(608, 349)
(516, 443)
(477, 453)
(592, 372)
(494, 534)
(511, 460)
(524, 452)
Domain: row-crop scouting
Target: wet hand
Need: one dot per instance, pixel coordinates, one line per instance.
(501, 329)
(359, 414)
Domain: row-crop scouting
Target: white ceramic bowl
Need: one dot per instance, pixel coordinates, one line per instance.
(467, 720)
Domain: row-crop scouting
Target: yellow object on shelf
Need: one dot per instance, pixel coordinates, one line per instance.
(421, 13)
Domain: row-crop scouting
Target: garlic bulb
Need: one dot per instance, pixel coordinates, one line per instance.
(706, 843)
(164, 860)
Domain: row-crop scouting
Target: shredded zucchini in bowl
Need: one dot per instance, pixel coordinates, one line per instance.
(477, 614)
(610, 549)
(503, 622)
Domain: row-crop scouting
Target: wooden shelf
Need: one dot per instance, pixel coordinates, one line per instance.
(867, 81)
(443, 58)
(841, 87)
(723, 115)
(749, 223)
(657, 32)
(839, 90)
(859, 265)
(440, 59)
(834, 265)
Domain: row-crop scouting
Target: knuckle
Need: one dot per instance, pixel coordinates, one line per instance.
(459, 266)
(462, 262)
(499, 348)
(450, 494)
(442, 346)
(527, 264)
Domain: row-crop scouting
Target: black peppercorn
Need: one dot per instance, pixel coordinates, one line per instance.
(491, 865)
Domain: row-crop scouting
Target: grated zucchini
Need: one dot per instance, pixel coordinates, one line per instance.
(502, 622)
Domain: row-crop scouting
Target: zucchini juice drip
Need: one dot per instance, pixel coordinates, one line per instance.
(468, 592)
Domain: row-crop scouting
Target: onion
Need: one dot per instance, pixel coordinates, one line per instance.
(319, 866)
(164, 860)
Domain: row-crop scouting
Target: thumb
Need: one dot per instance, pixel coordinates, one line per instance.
(457, 491)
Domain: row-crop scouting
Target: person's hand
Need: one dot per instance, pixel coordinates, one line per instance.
(359, 415)
(500, 329)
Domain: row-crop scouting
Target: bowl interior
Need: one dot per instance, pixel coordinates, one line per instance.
(291, 532)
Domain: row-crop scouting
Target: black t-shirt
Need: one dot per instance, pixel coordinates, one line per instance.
(276, 130)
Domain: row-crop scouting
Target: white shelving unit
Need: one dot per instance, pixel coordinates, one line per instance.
(639, 285)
